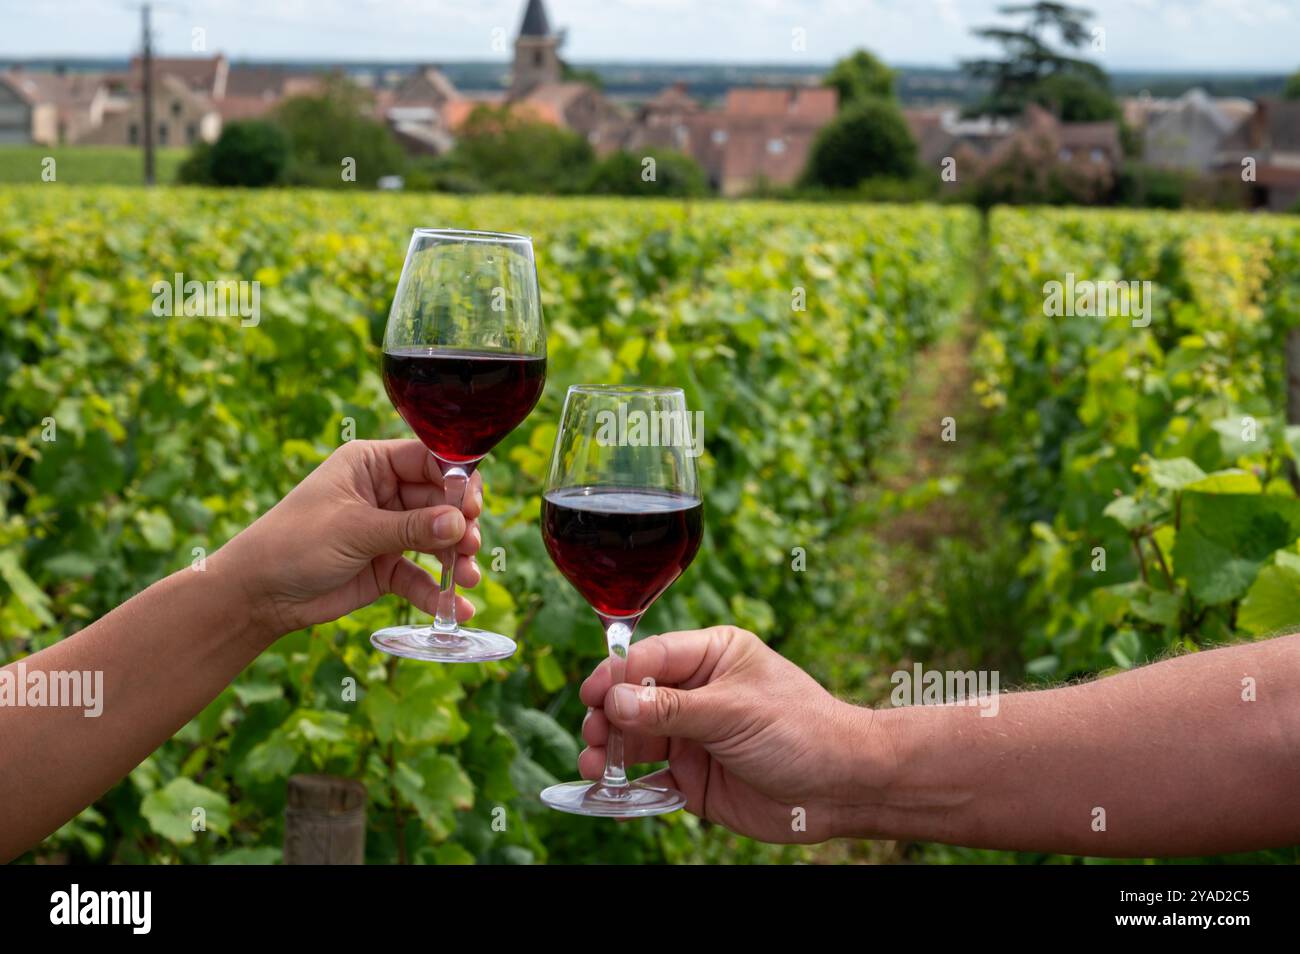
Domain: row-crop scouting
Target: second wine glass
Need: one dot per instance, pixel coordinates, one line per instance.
(464, 364)
(621, 519)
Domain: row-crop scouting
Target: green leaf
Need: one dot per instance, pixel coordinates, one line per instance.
(71, 565)
(156, 528)
(1225, 538)
(1175, 474)
(170, 811)
(1231, 481)
(28, 593)
(1134, 512)
(549, 674)
(1273, 602)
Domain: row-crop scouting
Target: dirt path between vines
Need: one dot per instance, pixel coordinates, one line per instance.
(905, 537)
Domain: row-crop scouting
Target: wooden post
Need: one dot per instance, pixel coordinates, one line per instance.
(324, 821)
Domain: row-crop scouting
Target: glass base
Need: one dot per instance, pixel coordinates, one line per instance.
(465, 645)
(593, 798)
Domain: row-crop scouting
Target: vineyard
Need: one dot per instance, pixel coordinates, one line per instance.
(1113, 492)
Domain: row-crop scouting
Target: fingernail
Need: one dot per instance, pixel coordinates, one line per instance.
(449, 525)
(626, 703)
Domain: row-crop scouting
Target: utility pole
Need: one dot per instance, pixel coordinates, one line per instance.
(147, 63)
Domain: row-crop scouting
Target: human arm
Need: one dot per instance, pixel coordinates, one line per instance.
(1175, 755)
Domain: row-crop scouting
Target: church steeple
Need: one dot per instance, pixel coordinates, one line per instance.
(537, 52)
(535, 22)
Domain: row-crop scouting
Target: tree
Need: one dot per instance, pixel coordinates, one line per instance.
(870, 139)
(1075, 98)
(250, 153)
(332, 126)
(1292, 89)
(858, 76)
(506, 152)
(1028, 60)
(624, 173)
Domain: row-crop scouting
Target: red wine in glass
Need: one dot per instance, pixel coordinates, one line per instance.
(462, 403)
(621, 548)
(621, 520)
(464, 362)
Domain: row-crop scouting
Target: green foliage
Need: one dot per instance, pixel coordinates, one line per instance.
(1034, 68)
(623, 173)
(1292, 88)
(860, 76)
(1075, 98)
(250, 153)
(868, 140)
(503, 152)
(1151, 464)
(332, 126)
(87, 165)
(174, 433)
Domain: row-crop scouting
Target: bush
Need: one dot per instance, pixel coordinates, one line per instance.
(508, 153)
(197, 167)
(249, 153)
(623, 173)
(868, 140)
(334, 125)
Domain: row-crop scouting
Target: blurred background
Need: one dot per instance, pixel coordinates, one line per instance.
(833, 223)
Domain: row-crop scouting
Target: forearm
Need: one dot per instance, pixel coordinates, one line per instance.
(163, 655)
(1179, 762)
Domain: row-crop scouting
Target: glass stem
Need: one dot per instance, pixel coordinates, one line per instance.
(618, 634)
(454, 478)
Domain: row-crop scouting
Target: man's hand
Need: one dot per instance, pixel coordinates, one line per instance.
(751, 740)
(335, 542)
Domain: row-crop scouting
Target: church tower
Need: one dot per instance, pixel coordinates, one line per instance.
(537, 52)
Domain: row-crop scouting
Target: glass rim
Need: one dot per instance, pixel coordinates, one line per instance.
(647, 389)
(474, 235)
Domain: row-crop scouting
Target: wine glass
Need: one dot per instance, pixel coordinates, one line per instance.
(464, 364)
(621, 519)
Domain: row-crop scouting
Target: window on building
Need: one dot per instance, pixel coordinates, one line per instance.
(1066, 155)
(537, 58)
(776, 146)
(162, 134)
(176, 108)
(133, 134)
(1096, 155)
(191, 133)
(719, 136)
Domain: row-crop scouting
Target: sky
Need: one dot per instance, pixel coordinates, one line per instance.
(1250, 35)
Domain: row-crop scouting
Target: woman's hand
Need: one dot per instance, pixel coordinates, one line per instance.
(335, 542)
(751, 740)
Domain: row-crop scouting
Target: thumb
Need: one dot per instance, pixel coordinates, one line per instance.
(696, 714)
(428, 530)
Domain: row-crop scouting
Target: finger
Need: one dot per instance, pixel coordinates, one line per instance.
(682, 658)
(636, 748)
(427, 530)
(414, 584)
(425, 494)
(468, 574)
(471, 541)
(707, 714)
(472, 505)
(409, 460)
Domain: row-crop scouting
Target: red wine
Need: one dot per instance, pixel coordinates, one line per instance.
(461, 403)
(621, 548)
